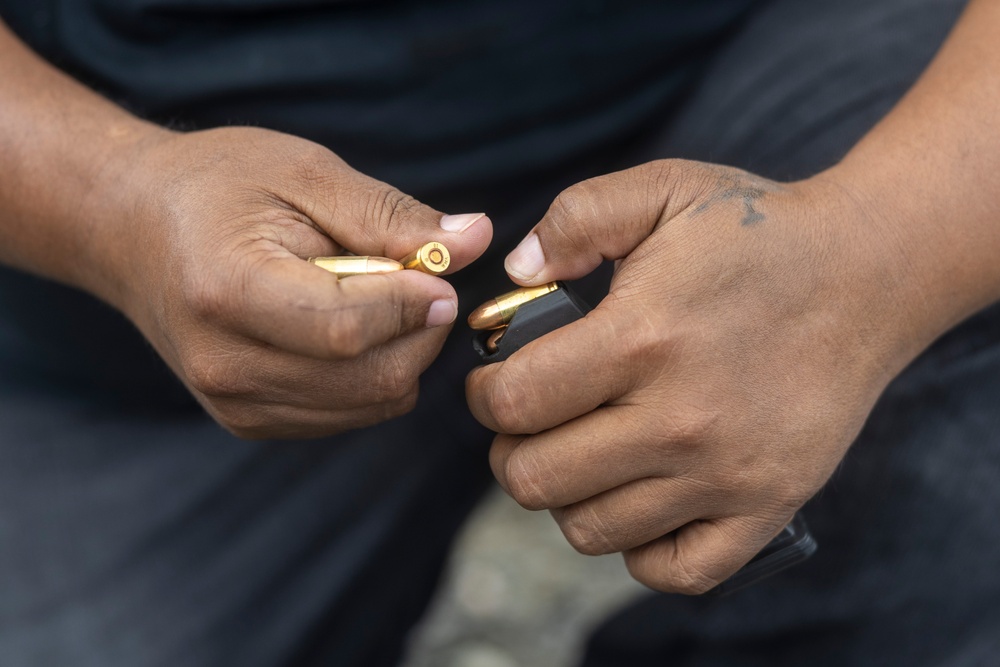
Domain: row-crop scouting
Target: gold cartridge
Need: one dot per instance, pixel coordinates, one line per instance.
(353, 265)
(432, 258)
(497, 313)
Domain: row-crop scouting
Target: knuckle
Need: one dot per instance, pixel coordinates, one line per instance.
(506, 404)
(388, 206)
(693, 578)
(404, 404)
(636, 563)
(345, 337)
(398, 386)
(569, 209)
(693, 425)
(395, 388)
(315, 164)
(648, 347)
(639, 360)
(525, 484)
(573, 203)
(395, 379)
(498, 456)
(679, 182)
(661, 179)
(586, 532)
(677, 573)
(205, 297)
(788, 493)
(643, 340)
(210, 376)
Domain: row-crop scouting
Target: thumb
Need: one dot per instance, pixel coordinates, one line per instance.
(369, 217)
(603, 218)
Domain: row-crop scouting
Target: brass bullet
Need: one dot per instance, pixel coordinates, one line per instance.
(493, 341)
(498, 312)
(353, 265)
(432, 258)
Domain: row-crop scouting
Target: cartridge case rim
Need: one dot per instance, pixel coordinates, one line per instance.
(432, 258)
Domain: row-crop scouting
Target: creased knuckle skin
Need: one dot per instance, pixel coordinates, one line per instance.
(569, 205)
(206, 298)
(585, 533)
(643, 342)
(681, 575)
(395, 384)
(388, 206)
(506, 405)
(692, 427)
(213, 378)
(661, 177)
(524, 484)
(693, 579)
(345, 336)
(569, 210)
(394, 379)
(315, 164)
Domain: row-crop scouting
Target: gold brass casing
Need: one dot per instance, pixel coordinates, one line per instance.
(432, 258)
(353, 265)
(498, 312)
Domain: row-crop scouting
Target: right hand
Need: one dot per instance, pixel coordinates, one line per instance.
(208, 263)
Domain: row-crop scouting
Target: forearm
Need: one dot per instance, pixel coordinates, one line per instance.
(65, 153)
(929, 175)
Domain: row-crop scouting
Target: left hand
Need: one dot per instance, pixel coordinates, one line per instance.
(749, 329)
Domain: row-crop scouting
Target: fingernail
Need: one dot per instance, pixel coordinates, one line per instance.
(459, 223)
(527, 260)
(442, 311)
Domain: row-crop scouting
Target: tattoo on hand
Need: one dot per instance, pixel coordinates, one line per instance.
(734, 184)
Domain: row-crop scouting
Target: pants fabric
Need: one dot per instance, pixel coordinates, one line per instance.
(148, 538)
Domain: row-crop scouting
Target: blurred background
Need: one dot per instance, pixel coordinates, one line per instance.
(517, 595)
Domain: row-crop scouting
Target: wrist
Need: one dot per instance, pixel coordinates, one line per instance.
(883, 287)
(923, 264)
(117, 210)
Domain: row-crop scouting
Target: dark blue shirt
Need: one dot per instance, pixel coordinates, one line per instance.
(453, 100)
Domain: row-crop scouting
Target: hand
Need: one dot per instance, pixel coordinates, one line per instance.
(209, 265)
(749, 329)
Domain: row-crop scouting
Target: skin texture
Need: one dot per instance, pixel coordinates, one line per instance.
(749, 329)
(199, 239)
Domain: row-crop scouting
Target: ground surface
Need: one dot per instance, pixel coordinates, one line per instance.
(517, 595)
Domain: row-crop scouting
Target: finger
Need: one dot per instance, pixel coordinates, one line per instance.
(392, 371)
(562, 375)
(582, 458)
(369, 217)
(277, 298)
(701, 555)
(598, 219)
(636, 513)
(266, 375)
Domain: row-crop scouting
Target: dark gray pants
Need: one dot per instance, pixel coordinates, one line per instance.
(129, 538)
(906, 572)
